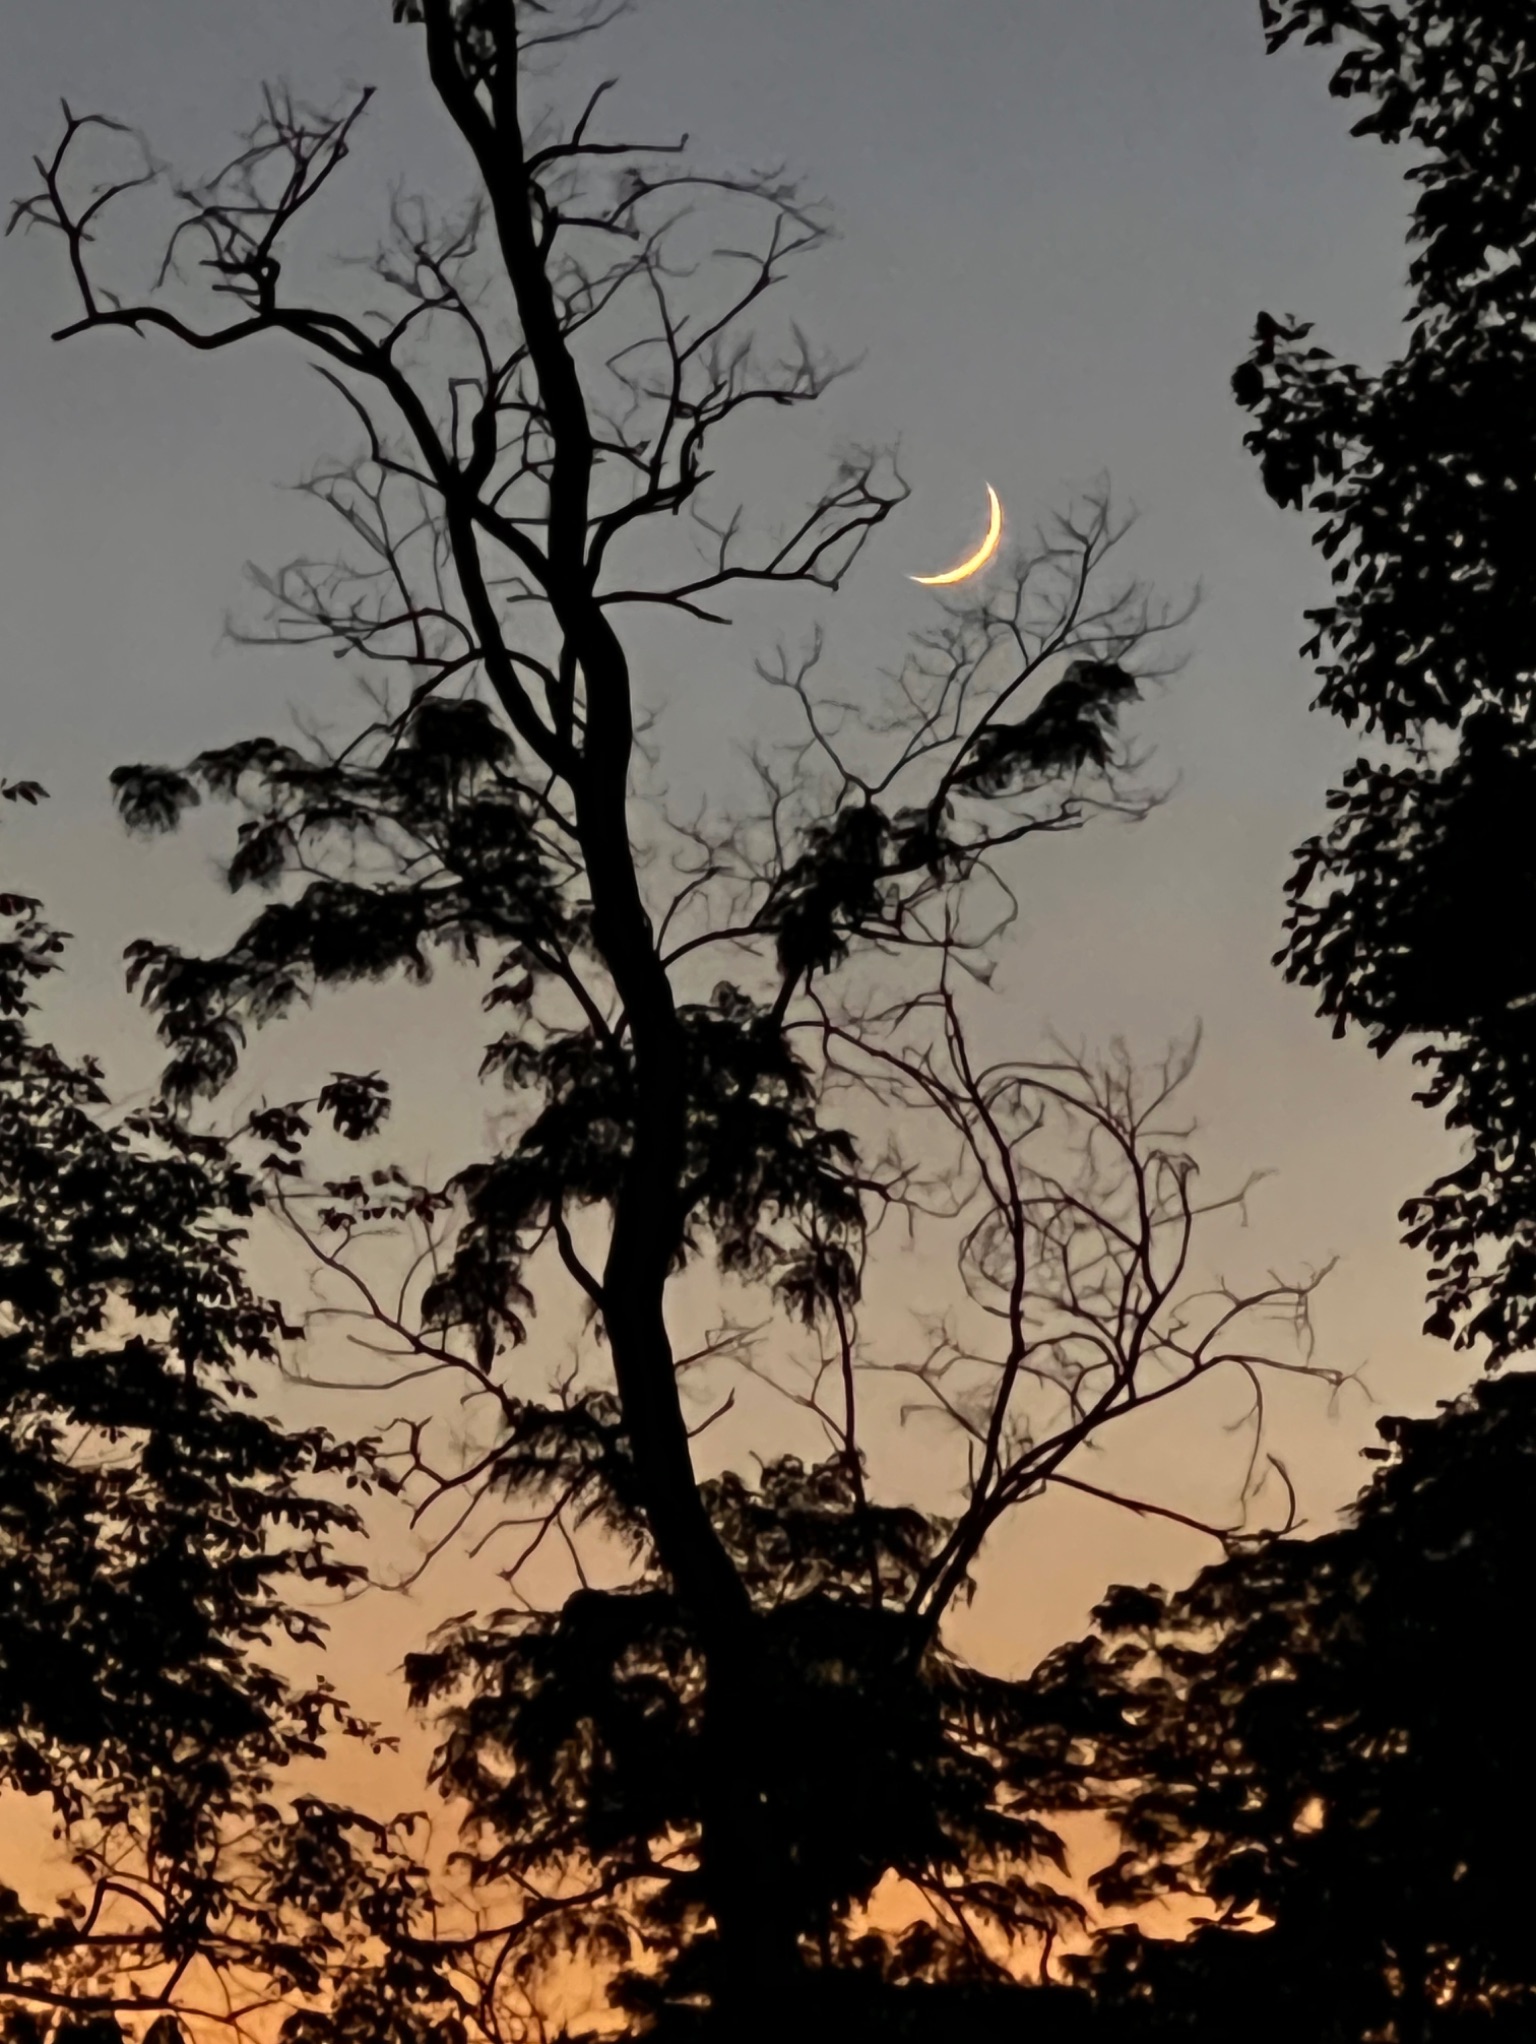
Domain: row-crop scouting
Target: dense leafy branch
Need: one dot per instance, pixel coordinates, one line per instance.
(1407, 915)
(1328, 1750)
(163, 1547)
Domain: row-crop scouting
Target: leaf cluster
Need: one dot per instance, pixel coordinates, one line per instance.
(579, 1738)
(1328, 1739)
(435, 844)
(162, 1543)
(1406, 914)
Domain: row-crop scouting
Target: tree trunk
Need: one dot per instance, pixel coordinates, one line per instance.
(746, 1866)
(745, 1856)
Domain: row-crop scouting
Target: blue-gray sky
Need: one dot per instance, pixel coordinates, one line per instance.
(1058, 219)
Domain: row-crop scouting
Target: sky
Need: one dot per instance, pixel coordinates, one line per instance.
(1058, 219)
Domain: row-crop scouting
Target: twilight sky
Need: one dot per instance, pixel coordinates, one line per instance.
(1058, 218)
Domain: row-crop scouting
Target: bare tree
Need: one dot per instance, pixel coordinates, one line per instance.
(538, 383)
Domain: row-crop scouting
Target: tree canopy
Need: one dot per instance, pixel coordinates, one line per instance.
(1410, 914)
(162, 1543)
(1330, 1741)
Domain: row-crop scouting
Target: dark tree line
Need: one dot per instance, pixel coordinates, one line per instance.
(1329, 1735)
(158, 1540)
(1410, 915)
(1331, 1732)
(741, 1052)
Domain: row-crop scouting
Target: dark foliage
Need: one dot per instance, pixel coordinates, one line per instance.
(1332, 1739)
(755, 1156)
(436, 796)
(1070, 728)
(158, 1537)
(574, 1740)
(832, 2007)
(1410, 914)
(845, 878)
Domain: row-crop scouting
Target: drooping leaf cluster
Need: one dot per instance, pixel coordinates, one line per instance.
(1409, 914)
(574, 1739)
(445, 846)
(1332, 1738)
(1071, 729)
(844, 880)
(758, 1170)
(420, 838)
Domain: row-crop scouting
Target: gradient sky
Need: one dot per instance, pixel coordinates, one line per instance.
(1058, 219)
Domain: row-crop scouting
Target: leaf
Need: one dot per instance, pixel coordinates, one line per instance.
(152, 798)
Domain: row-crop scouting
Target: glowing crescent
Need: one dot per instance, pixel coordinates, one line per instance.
(972, 562)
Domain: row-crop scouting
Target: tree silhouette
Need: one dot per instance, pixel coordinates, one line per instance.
(1334, 1740)
(157, 1539)
(1327, 1732)
(736, 1047)
(1410, 913)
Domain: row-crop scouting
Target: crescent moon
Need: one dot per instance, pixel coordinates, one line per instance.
(972, 562)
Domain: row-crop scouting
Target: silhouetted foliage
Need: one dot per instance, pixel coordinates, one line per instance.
(701, 1764)
(576, 1742)
(1331, 1739)
(158, 1538)
(1070, 728)
(1411, 915)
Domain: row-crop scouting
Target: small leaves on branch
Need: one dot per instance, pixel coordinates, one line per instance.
(1407, 914)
